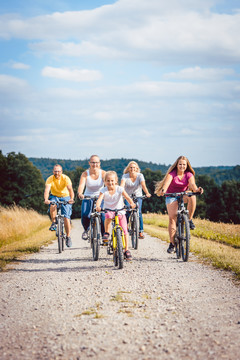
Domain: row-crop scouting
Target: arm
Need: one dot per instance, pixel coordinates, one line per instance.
(122, 184)
(144, 187)
(193, 186)
(129, 200)
(46, 194)
(99, 201)
(166, 184)
(82, 184)
(71, 194)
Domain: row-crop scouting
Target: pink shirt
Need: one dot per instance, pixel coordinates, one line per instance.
(178, 185)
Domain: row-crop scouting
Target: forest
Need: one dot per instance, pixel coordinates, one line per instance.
(22, 183)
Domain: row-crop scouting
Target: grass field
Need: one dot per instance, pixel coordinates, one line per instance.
(22, 232)
(217, 243)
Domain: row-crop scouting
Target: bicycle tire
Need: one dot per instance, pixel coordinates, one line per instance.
(59, 235)
(119, 248)
(177, 246)
(185, 236)
(134, 230)
(95, 238)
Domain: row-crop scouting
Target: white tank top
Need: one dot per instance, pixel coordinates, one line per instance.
(93, 187)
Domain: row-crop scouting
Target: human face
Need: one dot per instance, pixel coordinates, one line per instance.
(133, 168)
(94, 162)
(110, 182)
(57, 172)
(181, 166)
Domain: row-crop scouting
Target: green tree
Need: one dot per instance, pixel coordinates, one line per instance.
(230, 194)
(155, 203)
(21, 182)
(75, 177)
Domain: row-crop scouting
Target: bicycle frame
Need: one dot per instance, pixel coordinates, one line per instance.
(60, 224)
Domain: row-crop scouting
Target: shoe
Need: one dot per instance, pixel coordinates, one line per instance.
(191, 225)
(53, 227)
(170, 248)
(141, 236)
(85, 235)
(68, 241)
(127, 255)
(105, 238)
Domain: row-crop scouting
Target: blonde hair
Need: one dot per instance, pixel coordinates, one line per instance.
(110, 173)
(159, 184)
(126, 170)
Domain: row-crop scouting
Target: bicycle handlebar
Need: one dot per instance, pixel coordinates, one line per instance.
(182, 193)
(61, 202)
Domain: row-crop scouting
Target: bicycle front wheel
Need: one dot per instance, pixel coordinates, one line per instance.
(134, 230)
(185, 236)
(95, 238)
(119, 248)
(63, 235)
(59, 235)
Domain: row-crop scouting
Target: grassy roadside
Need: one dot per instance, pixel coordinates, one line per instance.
(216, 243)
(21, 232)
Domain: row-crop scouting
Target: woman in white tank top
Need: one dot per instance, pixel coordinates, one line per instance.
(92, 180)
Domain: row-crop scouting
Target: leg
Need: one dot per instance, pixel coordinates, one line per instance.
(107, 224)
(172, 213)
(191, 206)
(67, 226)
(123, 224)
(53, 212)
(85, 213)
(140, 215)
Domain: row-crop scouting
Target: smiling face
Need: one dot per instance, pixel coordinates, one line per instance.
(181, 166)
(57, 171)
(133, 168)
(110, 181)
(94, 162)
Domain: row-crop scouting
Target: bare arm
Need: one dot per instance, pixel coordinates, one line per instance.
(99, 201)
(82, 184)
(166, 184)
(46, 194)
(193, 186)
(122, 184)
(71, 193)
(143, 183)
(129, 200)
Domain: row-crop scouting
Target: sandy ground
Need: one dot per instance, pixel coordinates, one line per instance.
(67, 306)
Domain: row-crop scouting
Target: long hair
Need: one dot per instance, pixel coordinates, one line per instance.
(126, 170)
(159, 184)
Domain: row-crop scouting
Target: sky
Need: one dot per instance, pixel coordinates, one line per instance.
(139, 79)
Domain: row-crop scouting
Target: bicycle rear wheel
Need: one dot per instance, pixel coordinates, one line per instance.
(119, 248)
(185, 236)
(59, 235)
(134, 230)
(63, 235)
(95, 238)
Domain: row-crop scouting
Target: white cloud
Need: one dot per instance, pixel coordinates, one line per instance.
(198, 73)
(18, 65)
(75, 75)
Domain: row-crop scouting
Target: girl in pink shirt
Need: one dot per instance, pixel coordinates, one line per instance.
(180, 177)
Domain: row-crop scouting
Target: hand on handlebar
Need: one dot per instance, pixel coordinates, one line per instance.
(200, 189)
(98, 208)
(47, 202)
(80, 196)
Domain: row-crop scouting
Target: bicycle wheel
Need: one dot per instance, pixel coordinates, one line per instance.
(63, 235)
(119, 248)
(59, 235)
(185, 236)
(134, 230)
(177, 246)
(95, 238)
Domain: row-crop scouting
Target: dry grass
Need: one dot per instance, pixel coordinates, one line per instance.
(21, 231)
(219, 243)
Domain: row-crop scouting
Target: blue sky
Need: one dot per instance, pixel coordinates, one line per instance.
(144, 79)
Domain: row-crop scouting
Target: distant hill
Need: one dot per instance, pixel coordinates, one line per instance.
(218, 173)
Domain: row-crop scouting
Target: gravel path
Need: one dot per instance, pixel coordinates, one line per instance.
(66, 306)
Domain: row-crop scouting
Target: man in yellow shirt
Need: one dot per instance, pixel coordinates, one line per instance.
(59, 186)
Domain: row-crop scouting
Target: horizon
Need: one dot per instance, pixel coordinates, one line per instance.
(124, 79)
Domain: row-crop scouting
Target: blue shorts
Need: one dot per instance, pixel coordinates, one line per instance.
(66, 209)
(170, 199)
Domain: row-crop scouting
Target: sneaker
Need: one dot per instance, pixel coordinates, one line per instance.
(127, 255)
(68, 241)
(85, 235)
(170, 248)
(191, 225)
(141, 236)
(105, 238)
(53, 227)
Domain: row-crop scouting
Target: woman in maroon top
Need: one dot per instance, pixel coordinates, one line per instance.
(180, 177)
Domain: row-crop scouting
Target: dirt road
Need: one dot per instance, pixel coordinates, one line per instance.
(66, 306)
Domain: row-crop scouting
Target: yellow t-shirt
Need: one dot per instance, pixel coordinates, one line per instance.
(59, 187)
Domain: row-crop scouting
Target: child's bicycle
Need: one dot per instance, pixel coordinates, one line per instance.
(116, 243)
(182, 237)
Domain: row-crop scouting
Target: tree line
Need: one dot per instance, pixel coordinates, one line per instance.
(23, 184)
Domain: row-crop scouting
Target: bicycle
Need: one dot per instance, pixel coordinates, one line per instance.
(60, 224)
(133, 222)
(94, 232)
(116, 244)
(182, 237)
